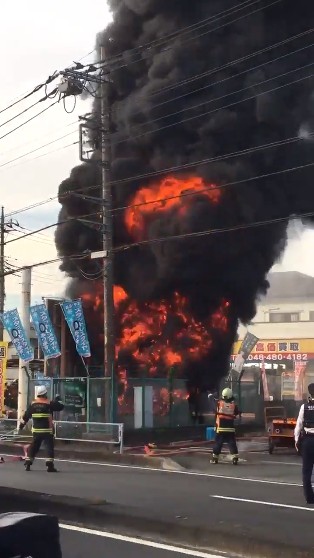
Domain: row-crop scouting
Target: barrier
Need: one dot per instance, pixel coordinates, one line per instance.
(93, 432)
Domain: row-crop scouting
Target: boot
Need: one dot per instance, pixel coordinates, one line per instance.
(27, 465)
(50, 467)
(235, 460)
(215, 459)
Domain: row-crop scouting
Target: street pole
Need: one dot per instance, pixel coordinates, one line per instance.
(109, 339)
(2, 279)
(25, 319)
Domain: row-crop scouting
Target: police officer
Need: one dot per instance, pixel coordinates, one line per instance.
(304, 441)
(41, 412)
(226, 413)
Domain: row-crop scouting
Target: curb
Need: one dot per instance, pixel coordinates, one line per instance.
(150, 462)
(103, 515)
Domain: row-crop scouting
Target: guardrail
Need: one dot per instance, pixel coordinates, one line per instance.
(93, 432)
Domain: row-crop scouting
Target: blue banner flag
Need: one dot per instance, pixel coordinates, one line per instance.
(73, 313)
(12, 323)
(45, 332)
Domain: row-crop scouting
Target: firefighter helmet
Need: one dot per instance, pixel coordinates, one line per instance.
(227, 393)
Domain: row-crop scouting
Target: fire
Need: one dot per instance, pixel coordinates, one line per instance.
(171, 193)
(160, 338)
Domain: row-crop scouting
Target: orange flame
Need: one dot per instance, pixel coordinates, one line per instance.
(169, 194)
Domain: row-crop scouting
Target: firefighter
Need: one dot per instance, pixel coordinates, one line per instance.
(41, 412)
(226, 413)
(304, 440)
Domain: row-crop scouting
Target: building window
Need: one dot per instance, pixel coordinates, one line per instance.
(284, 317)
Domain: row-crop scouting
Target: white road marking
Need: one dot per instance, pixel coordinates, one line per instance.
(155, 469)
(141, 542)
(261, 503)
(282, 463)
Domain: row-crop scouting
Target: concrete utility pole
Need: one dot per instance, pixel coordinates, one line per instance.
(25, 319)
(73, 84)
(2, 279)
(109, 338)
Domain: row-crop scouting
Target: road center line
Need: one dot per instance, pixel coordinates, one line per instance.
(169, 471)
(262, 503)
(141, 542)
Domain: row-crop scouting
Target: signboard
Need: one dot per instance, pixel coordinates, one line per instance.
(3, 369)
(75, 393)
(300, 350)
(248, 345)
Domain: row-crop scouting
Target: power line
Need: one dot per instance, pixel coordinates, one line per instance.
(39, 157)
(50, 133)
(167, 126)
(26, 109)
(35, 90)
(167, 170)
(152, 45)
(37, 149)
(63, 222)
(209, 232)
(225, 185)
(29, 120)
(229, 78)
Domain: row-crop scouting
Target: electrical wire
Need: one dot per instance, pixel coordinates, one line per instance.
(164, 40)
(209, 232)
(50, 133)
(167, 126)
(223, 186)
(167, 170)
(29, 120)
(37, 88)
(37, 149)
(24, 111)
(229, 78)
(43, 155)
(63, 222)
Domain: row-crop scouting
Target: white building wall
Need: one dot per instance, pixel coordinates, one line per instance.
(264, 329)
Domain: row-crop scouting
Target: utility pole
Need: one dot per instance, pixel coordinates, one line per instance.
(25, 319)
(2, 279)
(73, 84)
(109, 338)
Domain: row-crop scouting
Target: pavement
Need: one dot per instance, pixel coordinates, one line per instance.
(78, 544)
(255, 509)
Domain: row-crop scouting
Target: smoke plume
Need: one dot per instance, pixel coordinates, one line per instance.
(228, 77)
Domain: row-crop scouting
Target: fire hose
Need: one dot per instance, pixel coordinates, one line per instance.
(13, 436)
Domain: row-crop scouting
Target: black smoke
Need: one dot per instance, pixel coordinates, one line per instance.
(237, 106)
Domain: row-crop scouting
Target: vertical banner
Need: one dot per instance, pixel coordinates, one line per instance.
(45, 332)
(245, 350)
(12, 323)
(3, 369)
(264, 382)
(299, 369)
(73, 313)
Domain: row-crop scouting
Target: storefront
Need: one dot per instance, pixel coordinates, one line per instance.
(285, 367)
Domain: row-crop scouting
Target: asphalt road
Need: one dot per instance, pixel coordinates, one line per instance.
(261, 498)
(95, 545)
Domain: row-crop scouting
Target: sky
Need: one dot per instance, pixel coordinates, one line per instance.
(36, 39)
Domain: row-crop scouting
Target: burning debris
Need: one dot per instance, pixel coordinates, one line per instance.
(210, 104)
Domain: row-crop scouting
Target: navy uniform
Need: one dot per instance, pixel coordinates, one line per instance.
(41, 413)
(226, 413)
(304, 441)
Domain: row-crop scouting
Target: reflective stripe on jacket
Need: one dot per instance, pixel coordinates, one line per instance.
(41, 414)
(225, 415)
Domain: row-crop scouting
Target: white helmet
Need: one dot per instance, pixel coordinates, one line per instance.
(227, 393)
(42, 390)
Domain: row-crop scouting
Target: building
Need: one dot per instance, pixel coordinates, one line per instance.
(284, 325)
